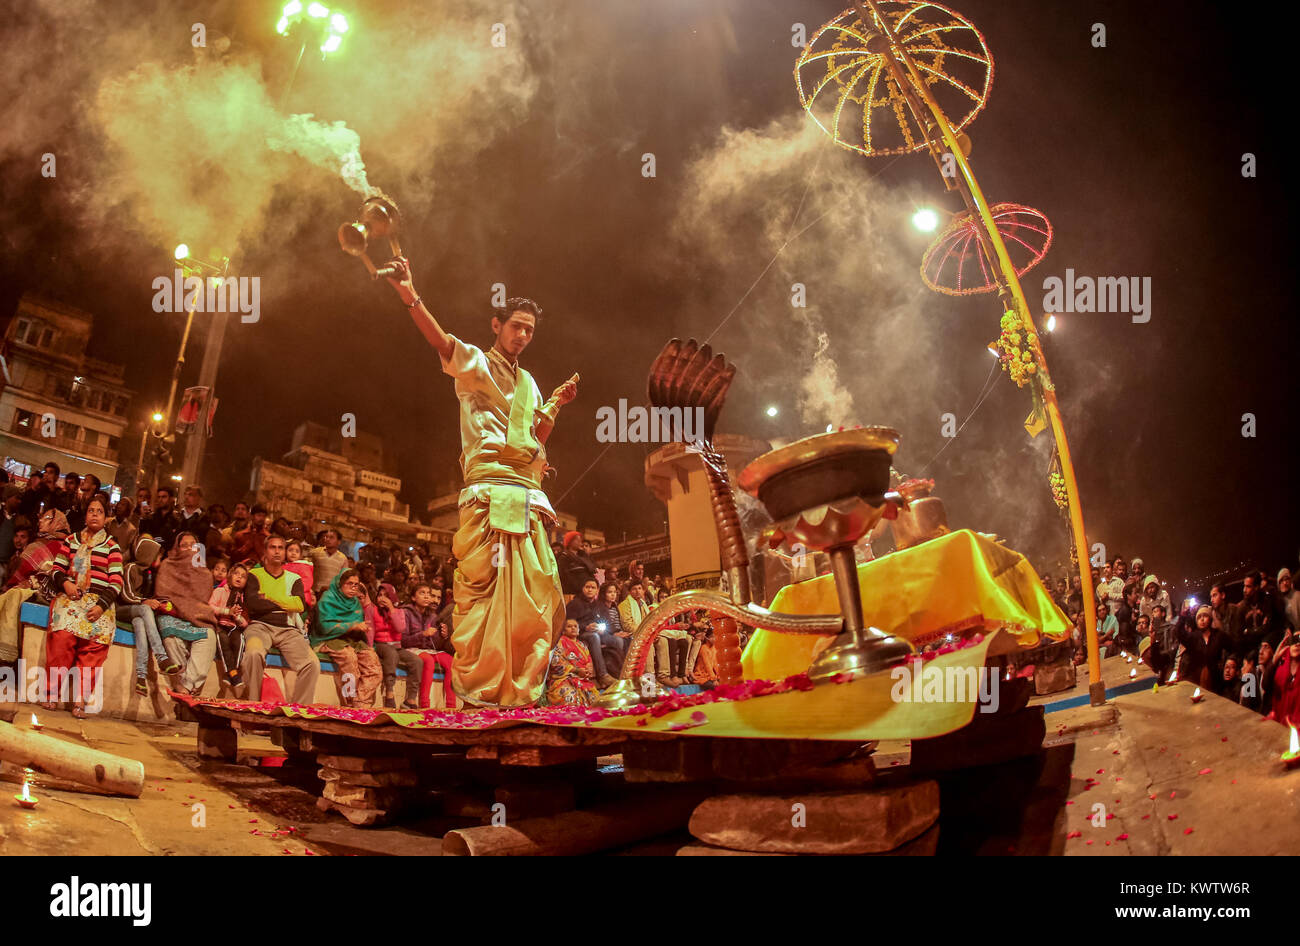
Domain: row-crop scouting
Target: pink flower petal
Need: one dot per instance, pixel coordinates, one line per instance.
(1188, 830)
(1206, 771)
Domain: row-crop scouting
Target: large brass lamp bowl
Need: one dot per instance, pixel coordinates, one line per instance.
(824, 493)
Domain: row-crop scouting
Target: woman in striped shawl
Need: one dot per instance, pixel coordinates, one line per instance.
(88, 575)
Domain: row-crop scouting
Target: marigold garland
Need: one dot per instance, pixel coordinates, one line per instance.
(1015, 360)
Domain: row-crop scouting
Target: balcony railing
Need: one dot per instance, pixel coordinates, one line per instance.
(64, 444)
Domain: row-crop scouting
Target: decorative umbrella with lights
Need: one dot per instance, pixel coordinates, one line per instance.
(958, 262)
(847, 86)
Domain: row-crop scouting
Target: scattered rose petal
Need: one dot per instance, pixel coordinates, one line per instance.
(1145, 817)
(1074, 834)
(1109, 815)
(1206, 771)
(1172, 794)
(1173, 817)
(1101, 771)
(1088, 841)
(1187, 830)
(1069, 802)
(1122, 837)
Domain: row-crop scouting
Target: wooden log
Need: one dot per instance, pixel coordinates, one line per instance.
(68, 760)
(578, 832)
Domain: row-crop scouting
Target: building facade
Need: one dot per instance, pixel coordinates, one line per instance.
(56, 401)
(321, 481)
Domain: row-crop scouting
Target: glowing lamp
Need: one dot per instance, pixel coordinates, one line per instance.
(1132, 674)
(282, 27)
(925, 220)
(25, 799)
(1291, 758)
(293, 7)
(331, 44)
(993, 350)
(176, 477)
(157, 417)
(339, 23)
(318, 11)
(36, 723)
(182, 251)
(772, 411)
(1051, 323)
(1197, 696)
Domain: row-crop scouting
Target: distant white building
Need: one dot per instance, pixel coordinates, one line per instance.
(56, 402)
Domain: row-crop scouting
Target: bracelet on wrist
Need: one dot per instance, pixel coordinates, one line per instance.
(414, 302)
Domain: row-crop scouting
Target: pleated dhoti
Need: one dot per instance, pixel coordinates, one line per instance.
(509, 611)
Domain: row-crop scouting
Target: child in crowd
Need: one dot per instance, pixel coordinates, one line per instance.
(295, 561)
(228, 603)
(139, 605)
(572, 681)
(423, 636)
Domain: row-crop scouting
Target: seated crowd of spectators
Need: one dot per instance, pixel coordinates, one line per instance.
(204, 587)
(1247, 650)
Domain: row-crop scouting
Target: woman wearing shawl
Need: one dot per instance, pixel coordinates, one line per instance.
(189, 631)
(87, 572)
(572, 679)
(35, 561)
(341, 635)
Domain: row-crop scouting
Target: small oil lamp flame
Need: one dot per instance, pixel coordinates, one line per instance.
(25, 799)
(1132, 674)
(1124, 654)
(1173, 677)
(1291, 758)
(1196, 695)
(36, 723)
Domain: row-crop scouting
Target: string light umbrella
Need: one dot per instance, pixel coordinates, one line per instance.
(956, 263)
(901, 58)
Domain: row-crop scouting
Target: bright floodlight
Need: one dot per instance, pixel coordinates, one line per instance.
(157, 417)
(176, 477)
(1051, 323)
(772, 411)
(182, 251)
(925, 220)
(331, 44)
(339, 23)
(318, 10)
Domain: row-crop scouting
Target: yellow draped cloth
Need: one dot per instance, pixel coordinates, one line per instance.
(954, 583)
(509, 606)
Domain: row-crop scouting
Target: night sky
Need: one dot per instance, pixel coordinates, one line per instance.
(1133, 151)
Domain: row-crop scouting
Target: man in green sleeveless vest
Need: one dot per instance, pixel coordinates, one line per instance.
(509, 606)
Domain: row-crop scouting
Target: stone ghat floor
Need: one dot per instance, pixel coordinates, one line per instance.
(1145, 756)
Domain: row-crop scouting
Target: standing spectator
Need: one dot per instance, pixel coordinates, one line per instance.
(1288, 602)
(1153, 594)
(1220, 610)
(250, 542)
(30, 506)
(327, 561)
(143, 499)
(1126, 617)
(122, 529)
(1112, 587)
(1252, 616)
(88, 573)
(576, 566)
(275, 605)
(163, 523)
(51, 496)
(77, 511)
(238, 522)
(343, 636)
(1203, 647)
(189, 630)
(192, 517)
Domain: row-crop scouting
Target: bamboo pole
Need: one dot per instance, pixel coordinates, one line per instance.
(70, 761)
(975, 196)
